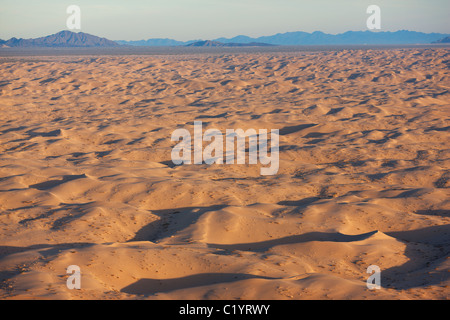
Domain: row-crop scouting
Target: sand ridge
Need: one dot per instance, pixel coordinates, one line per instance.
(86, 176)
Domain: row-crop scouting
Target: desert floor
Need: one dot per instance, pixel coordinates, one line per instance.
(86, 176)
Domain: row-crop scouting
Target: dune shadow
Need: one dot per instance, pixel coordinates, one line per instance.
(169, 163)
(301, 238)
(20, 128)
(315, 141)
(74, 212)
(426, 249)
(45, 81)
(54, 133)
(45, 250)
(204, 116)
(434, 128)
(152, 286)
(171, 221)
(293, 129)
(299, 203)
(430, 212)
(334, 111)
(53, 183)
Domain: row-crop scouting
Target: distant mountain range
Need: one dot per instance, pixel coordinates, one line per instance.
(444, 40)
(61, 39)
(80, 39)
(209, 43)
(156, 42)
(315, 38)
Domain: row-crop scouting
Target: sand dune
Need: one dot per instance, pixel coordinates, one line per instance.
(86, 176)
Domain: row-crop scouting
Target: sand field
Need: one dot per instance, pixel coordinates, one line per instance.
(86, 176)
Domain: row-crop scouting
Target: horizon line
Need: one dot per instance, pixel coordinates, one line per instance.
(239, 35)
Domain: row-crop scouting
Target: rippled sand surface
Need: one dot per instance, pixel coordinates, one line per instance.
(86, 176)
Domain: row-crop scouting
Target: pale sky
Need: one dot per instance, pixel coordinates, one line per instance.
(210, 19)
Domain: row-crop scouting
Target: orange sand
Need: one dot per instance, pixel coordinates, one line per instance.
(86, 176)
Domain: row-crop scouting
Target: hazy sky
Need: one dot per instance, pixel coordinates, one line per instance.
(209, 19)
